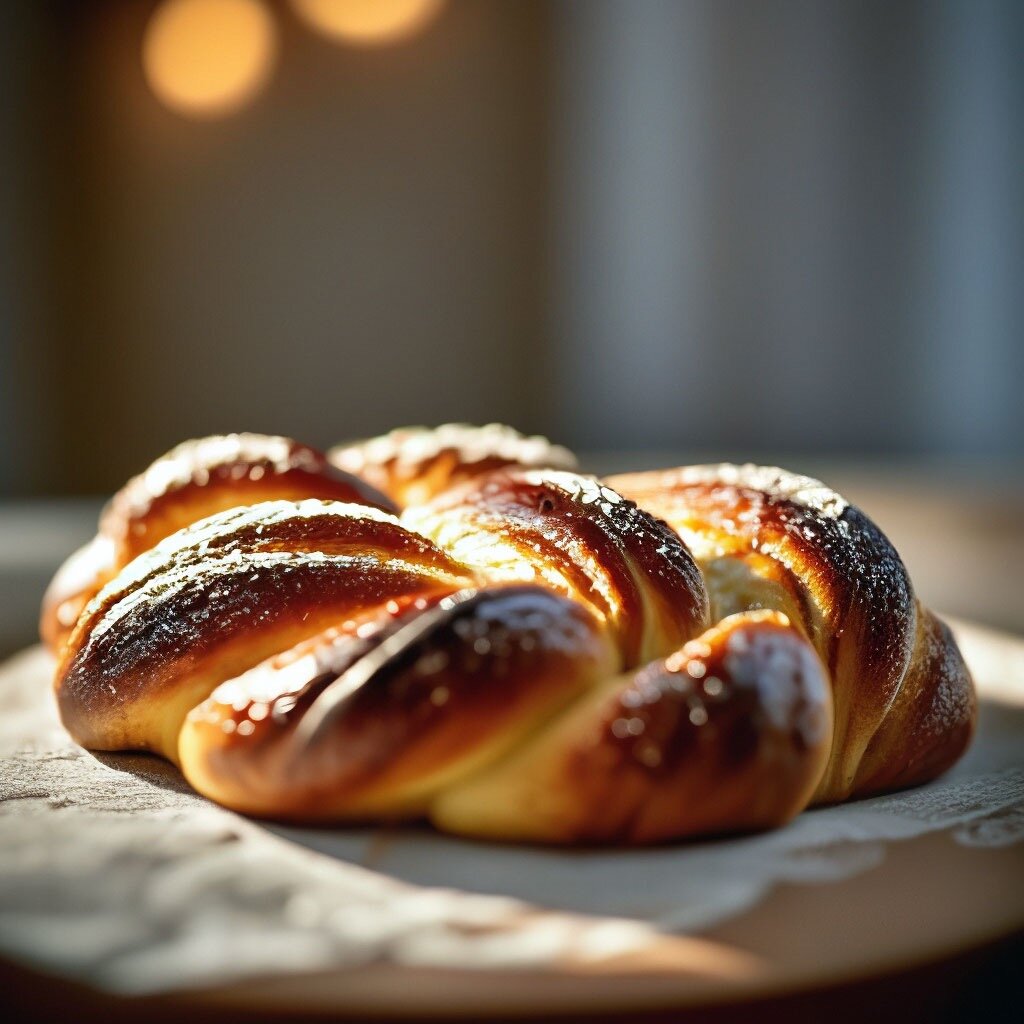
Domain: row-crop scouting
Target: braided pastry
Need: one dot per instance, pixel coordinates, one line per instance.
(507, 649)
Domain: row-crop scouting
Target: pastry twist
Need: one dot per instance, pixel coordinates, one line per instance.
(196, 479)
(529, 654)
(763, 537)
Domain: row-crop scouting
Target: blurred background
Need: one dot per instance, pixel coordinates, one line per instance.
(788, 231)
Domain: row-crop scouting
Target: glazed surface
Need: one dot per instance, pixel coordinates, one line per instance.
(451, 625)
(195, 479)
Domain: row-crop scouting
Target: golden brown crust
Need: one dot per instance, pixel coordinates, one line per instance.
(194, 480)
(374, 721)
(577, 535)
(414, 464)
(728, 734)
(200, 478)
(529, 655)
(930, 723)
(222, 595)
(794, 544)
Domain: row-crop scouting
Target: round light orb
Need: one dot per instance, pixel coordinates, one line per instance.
(206, 58)
(368, 22)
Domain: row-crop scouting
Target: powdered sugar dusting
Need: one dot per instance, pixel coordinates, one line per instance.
(778, 484)
(409, 446)
(191, 462)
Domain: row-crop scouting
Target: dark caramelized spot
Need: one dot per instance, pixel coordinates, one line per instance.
(744, 682)
(484, 649)
(416, 692)
(315, 529)
(252, 574)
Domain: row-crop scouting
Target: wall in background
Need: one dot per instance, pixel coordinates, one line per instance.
(26, 340)
(360, 247)
(731, 227)
(791, 225)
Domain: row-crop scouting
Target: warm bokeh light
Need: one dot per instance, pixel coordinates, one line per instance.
(208, 57)
(368, 22)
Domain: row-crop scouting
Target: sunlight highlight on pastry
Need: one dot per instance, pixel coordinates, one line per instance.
(523, 653)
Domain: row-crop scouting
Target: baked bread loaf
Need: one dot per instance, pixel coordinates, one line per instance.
(441, 628)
